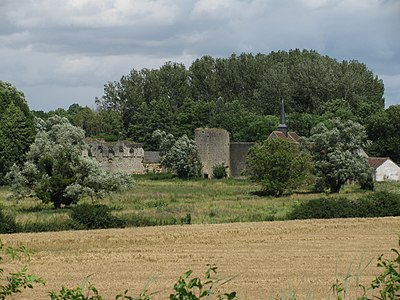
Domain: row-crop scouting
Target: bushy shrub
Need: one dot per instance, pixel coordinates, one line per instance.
(219, 171)
(7, 222)
(278, 165)
(378, 204)
(324, 208)
(94, 216)
(367, 183)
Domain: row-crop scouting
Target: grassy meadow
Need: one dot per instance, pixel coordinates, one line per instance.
(172, 201)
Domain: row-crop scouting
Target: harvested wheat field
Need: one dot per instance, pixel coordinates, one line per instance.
(266, 259)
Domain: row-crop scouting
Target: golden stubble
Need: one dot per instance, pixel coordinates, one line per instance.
(267, 258)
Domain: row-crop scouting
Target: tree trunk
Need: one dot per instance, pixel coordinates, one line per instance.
(336, 186)
(56, 203)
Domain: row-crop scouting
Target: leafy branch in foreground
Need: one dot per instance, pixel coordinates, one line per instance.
(16, 282)
(185, 288)
(194, 289)
(387, 284)
(87, 291)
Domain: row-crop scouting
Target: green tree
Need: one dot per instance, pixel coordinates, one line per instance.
(258, 127)
(334, 149)
(278, 165)
(180, 156)
(274, 86)
(383, 130)
(203, 79)
(302, 123)
(17, 128)
(56, 171)
(336, 108)
(240, 88)
(83, 117)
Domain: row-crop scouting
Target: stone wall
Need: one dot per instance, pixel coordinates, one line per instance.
(121, 156)
(152, 162)
(129, 157)
(213, 147)
(238, 154)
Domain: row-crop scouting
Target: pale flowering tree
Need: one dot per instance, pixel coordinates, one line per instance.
(180, 156)
(334, 148)
(56, 171)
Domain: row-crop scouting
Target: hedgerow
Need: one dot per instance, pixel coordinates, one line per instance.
(7, 222)
(378, 204)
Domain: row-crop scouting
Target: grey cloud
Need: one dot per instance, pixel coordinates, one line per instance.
(51, 43)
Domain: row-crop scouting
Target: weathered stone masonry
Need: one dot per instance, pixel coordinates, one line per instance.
(213, 145)
(121, 156)
(129, 157)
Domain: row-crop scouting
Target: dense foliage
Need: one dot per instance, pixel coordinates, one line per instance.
(278, 165)
(240, 93)
(334, 148)
(94, 216)
(17, 128)
(7, 222)
(56, 171)
(383, 129)
(379, 204)
(219, 171)
(180, 156)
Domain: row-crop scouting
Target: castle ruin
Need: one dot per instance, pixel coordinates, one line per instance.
(121, 156)
(129, 157)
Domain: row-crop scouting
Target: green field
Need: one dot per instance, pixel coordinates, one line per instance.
(173, 201)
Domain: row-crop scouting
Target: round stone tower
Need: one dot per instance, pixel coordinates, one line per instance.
(213, 147)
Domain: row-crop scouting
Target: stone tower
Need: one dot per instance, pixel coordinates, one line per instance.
(213, 145)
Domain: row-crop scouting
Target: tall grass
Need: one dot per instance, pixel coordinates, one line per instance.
(169, 200)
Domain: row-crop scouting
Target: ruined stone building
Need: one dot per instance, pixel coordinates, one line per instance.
(128, 157)
(215, 149)
(121, 156)
(213, 145)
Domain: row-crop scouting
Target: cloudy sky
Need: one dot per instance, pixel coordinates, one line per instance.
(63, 52)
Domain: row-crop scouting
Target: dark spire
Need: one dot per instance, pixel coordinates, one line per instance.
(282, 126)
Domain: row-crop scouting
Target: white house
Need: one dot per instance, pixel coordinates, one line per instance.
(384, 169)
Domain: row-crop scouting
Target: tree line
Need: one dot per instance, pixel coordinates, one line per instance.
(240, 93)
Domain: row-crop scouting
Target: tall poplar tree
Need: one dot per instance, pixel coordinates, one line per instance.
(17, 130)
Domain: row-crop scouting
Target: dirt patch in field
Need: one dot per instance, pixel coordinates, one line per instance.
(268, 259)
